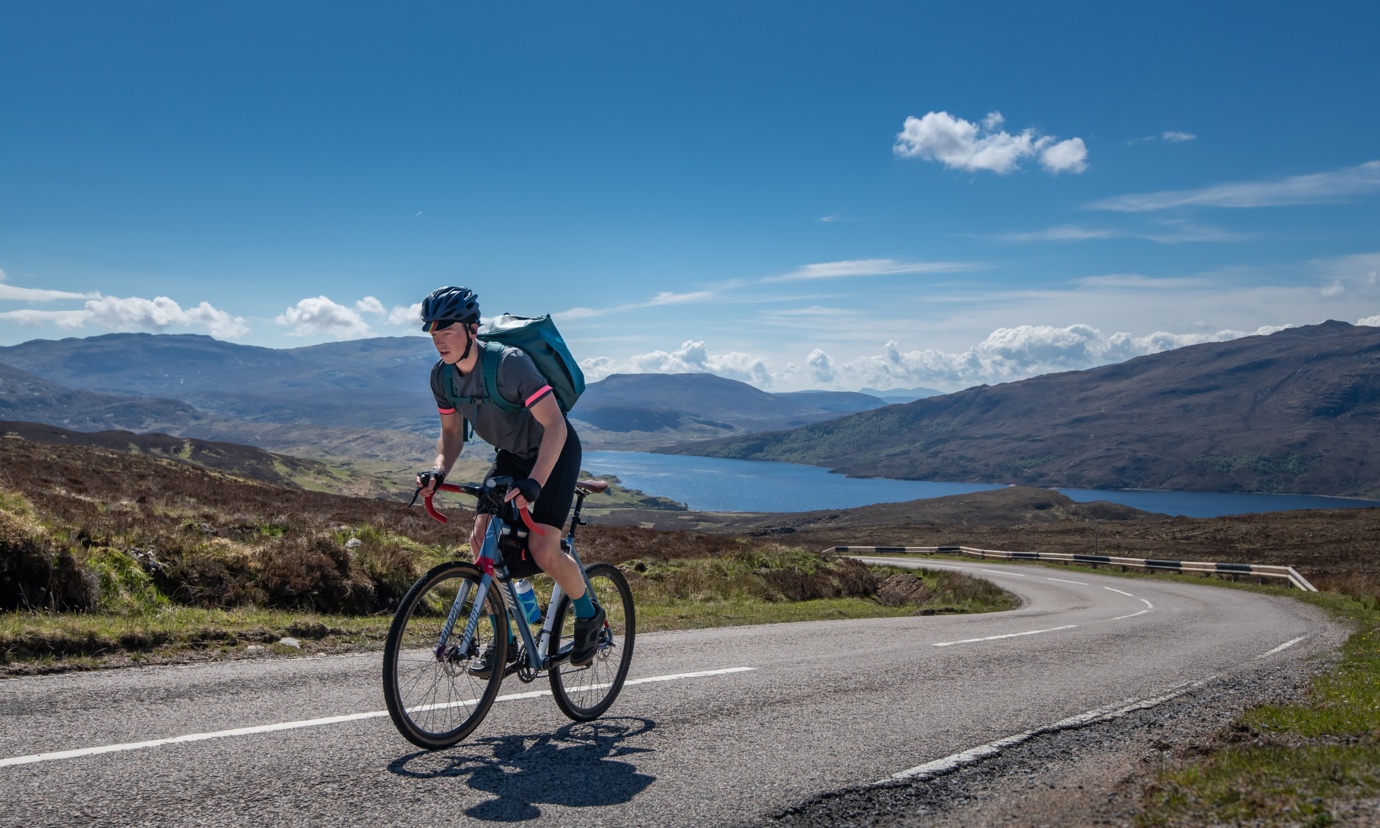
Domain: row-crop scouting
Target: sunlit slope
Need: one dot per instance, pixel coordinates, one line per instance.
(1296, 411)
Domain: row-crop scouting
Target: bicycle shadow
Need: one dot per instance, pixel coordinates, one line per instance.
(577, 766)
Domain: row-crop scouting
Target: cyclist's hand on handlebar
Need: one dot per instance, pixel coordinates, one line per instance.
(525, 492)
(428, 481)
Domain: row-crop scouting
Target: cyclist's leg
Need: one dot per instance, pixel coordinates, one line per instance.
(551, 511)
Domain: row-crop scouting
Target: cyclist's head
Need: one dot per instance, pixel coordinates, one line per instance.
(448, 305)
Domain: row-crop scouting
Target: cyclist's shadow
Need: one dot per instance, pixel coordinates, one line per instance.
(577, 766)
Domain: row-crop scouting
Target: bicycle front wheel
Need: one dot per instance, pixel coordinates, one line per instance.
(433, 693)
(584, 693)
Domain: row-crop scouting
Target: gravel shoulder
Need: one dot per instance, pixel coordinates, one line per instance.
(1091, 775)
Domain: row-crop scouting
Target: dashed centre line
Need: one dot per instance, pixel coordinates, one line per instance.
(1281, 648)
(1007, 635)
(329, 720)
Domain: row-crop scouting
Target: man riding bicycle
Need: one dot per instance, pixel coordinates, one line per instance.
(536, 446)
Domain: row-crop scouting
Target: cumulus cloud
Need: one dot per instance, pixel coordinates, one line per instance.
(320, 315)
(1008, 354)
(369, 304)
(406, 315)
(135, 314)
(1369, 321)
(964, 145)
(690, 358)
(1316, 188)
(821, 366)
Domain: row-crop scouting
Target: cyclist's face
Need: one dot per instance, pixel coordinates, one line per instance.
(450, 343)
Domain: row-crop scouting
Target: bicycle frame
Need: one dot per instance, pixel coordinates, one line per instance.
(490, 563)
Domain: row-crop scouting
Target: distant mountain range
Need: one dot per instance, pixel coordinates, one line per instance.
(198, 386)
(1297, 411)
(902, 395)
(649, 409)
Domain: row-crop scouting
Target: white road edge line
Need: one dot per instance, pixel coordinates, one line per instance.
(1132, 615)
(1001, 572)
(329, 720)
(1119, 592)
(1281, 648)
(1062, 581)
(953, 762)
(1008, 635)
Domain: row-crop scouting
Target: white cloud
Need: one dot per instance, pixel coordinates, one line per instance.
(1369, 321)
(1006, 355)
(13, 293)
(661, 299)
(870, 267)
(28, 318)
(406, 315)
(1169, 232)
(1170, 136)
(690, 358)
(964, 145)
(320, 315)
(1069, 156)
(821, 366)
(1317, 188)
(133, 313)
(369, 304)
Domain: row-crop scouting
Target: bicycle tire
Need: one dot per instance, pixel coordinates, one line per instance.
(433, 700)
(585, 693)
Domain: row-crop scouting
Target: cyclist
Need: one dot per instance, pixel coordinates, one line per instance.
(536, 446)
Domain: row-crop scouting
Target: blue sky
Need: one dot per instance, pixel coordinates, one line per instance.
(796, 194)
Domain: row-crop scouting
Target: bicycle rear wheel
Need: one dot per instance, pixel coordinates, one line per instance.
(584, 693)
(431, 696)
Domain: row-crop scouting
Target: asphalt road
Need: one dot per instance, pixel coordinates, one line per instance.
(716, 727)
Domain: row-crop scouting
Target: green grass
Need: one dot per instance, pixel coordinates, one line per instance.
(1290, 764)
(139, 624)
(51, 642)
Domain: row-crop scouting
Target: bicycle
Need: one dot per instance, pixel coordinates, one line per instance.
(452, 613)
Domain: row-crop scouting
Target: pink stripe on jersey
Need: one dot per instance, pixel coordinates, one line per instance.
(545, 389)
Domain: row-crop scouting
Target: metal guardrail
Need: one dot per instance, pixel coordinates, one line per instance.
(1232, 570)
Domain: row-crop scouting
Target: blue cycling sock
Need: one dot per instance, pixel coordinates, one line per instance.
(584, 608)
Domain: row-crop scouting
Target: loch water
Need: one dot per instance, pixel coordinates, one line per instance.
(712, 484)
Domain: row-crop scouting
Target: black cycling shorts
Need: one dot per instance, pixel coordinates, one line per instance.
(553, 505)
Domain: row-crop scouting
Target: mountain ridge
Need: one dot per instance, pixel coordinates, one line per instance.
(1295, 411)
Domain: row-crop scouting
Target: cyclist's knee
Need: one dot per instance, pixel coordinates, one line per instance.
(546, 549)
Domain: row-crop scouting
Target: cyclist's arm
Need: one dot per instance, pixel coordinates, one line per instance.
(548, 413)
(451, 442)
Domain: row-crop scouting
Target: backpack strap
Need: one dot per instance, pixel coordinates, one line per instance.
(493, 352)
(489, 359)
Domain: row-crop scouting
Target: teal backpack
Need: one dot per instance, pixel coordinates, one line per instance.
(539, 339)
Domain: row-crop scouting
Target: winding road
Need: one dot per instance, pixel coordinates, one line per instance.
(715, 727)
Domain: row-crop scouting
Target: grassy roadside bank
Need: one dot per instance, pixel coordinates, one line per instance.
(764, 586)
(1314, 763)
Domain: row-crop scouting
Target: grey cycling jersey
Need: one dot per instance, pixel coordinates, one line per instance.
(519, 382)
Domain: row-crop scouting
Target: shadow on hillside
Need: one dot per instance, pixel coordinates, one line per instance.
(578, 766)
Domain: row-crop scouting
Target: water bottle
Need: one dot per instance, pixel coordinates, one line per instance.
(528, 599)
